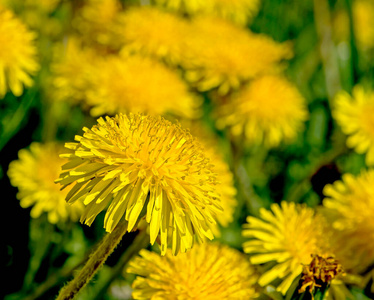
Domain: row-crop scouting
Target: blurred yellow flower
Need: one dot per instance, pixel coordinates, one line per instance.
(154, 32)
(138, 84)
(269, 110)
(73, 69)
(355, 116)
(349, 207)
(287, 235)
(17, 54)
(220, 55)
(237, 11)
(39, 16)
(34, 174)
(144, 167)
(99, 23)
(209, 271)
(363, 24)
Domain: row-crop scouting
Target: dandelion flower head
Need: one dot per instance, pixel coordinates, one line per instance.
(319, 273)
(226, 187)
(73, 70)
(237, 11)
(134, 164)
(354, 114)
(34, 174)
(221, 55)
(17, 54)
(363, 24)
(120, 87)
(164, 40)
(287, 235)
(209, 271)
(99, 23)
(349, 207)
(268, 111)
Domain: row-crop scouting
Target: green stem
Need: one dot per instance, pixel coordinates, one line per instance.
(94, 263)
(141, 241)
(329, 59)
(354, 54)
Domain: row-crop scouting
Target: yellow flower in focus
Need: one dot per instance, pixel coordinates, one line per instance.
(144, 167)
(210, 271)
(99, 23)
(355, 116)
(34, 174)
(153, 32)
(220, 55)
(287, 235)
(73, 70)
(137, 84)
(237, 11)
(349, 207)
(17, 54)
(268, 111)
(226, 187)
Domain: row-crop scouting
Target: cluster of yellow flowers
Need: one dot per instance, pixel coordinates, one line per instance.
(135, 67)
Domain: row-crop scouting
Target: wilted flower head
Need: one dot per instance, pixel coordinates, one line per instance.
(209, 271)
(165, 40)
(220, 55)
(119, 86)
(355, 117)
(268, 111)
(288, 235)
(17, 54)
(349, 207)
(237, 11)
(144, 167)
(34, 174)
(319, 273)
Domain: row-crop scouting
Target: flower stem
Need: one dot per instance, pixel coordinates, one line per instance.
(141, 241)
(96, 260)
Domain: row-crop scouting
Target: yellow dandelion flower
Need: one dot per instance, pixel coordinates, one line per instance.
(34, 174)
(349, 207)
(99, 23)
(226, 188)
(73, 70)
(17, 54)
(209, 271)
(287, 235)
(268, 111)
(138, 84)
(144, 167)
(221, 55)
(237, 11)
(355, 117)
(363, 24)
(162, 41)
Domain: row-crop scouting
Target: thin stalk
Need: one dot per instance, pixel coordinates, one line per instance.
(96, 260)
(327, 49)
(141, 241)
